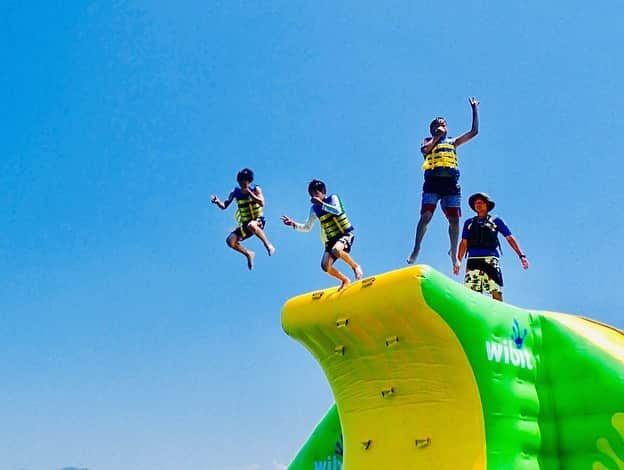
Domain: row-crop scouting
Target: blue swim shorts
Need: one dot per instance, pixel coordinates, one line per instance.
(451, 204)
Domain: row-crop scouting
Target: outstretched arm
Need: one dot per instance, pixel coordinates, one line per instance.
(514, 245)
(462, 139)
(222, 205)
(300, 227)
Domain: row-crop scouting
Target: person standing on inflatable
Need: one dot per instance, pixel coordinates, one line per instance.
(480, 240)
(442, 179)
(249, 215)
(336, 230)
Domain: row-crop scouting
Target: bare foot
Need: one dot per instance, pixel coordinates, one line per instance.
(343, 284)
(411, 258)
(270, 249)
(250, 259)
(358, 272)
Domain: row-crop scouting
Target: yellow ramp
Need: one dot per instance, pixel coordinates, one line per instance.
(405, 391)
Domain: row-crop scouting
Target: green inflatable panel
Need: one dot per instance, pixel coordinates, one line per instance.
(323, 449)
(428, 374)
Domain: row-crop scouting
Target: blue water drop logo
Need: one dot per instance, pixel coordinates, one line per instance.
(516, 335)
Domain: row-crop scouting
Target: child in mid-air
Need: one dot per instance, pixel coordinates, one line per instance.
(250, 203)
(336, 230)
(442, 180)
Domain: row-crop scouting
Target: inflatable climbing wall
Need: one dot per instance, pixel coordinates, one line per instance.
(427, 374)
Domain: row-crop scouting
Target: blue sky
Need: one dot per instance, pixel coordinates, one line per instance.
(131, 336)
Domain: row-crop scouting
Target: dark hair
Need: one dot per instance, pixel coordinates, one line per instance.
(245, 175)
(435, 123)
(316, 185)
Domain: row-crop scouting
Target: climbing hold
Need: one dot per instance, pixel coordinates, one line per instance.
(317, 295)
(420, 443)
(369, 281)
(342, 322)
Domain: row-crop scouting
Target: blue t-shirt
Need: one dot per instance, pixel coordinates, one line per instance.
(501, 227)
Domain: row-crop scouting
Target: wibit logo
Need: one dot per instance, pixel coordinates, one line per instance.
(339, 444)
(516, 336)
(332, 462)
(604, 446)
(511, 351)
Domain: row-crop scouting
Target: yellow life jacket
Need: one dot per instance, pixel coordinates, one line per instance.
(248, 208)
(335, 225)
(441, 156)
(331, 224)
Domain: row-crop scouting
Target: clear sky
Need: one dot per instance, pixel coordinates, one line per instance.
(131, 336)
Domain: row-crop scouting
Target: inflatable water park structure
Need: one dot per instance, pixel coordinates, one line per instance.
(427, 374)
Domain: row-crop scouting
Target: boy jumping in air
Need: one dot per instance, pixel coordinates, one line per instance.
(336, 230)
(249, 214)
(442, 180)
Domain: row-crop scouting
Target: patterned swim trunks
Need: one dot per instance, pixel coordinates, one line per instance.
(243, 232)
(346, 239)
(483, 274)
